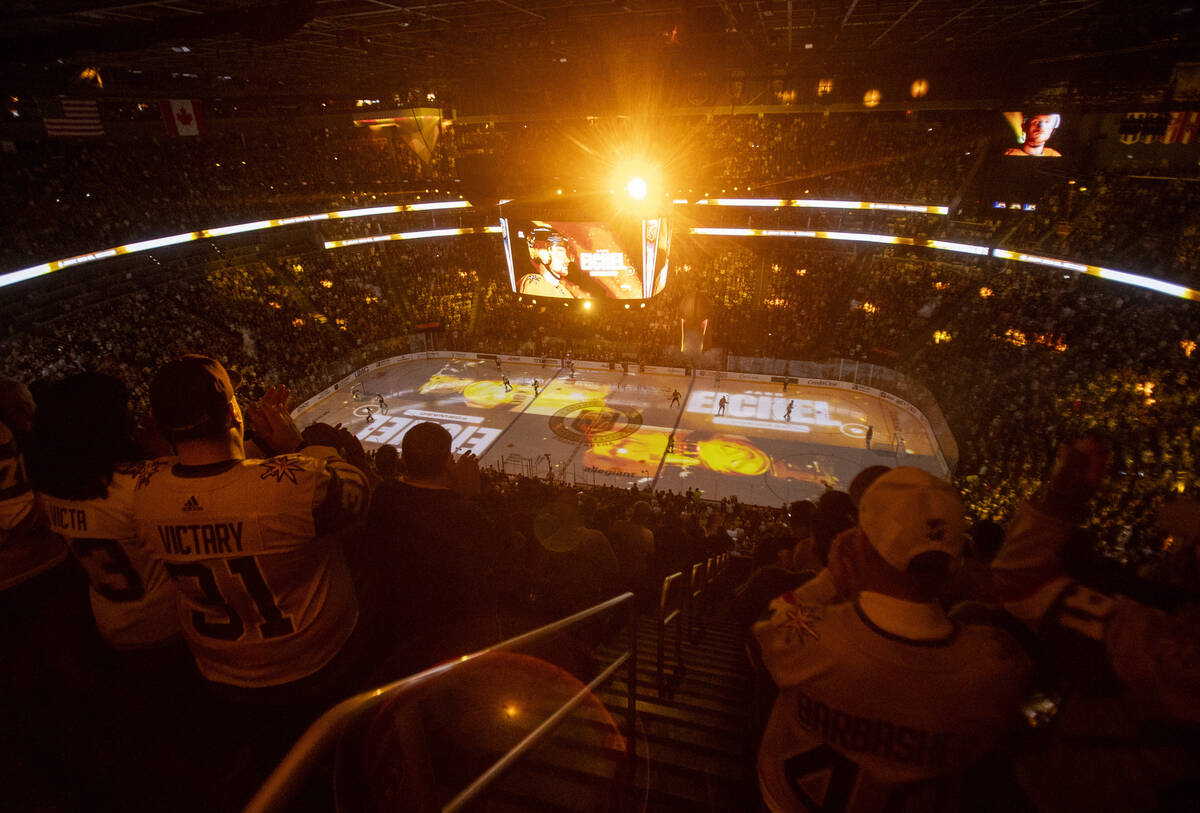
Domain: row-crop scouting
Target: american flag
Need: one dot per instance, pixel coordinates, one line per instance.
(80, 117)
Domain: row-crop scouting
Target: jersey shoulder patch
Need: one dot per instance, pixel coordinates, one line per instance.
(284, 467)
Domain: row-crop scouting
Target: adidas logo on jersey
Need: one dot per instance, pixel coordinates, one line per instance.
(192, 505)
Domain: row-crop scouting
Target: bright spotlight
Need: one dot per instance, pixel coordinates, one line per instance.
(637, 189)
(587, 304)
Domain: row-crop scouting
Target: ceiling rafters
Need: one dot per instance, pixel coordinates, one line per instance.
(336, 42)
(899, 19)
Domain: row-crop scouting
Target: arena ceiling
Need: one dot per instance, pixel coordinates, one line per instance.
(490, 46)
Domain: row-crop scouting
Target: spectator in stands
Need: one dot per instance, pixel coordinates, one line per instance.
(1123, 738)
(804, 552)
(578, 564)
(633, 543)
(777, 570)
(267, 603)
(835, 513)
(879, 690)
(85, 469)
(45, 632)
(431, 549)
(26, 549)
(387, 462)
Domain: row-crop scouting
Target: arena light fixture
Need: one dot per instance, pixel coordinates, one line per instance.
(636, 188)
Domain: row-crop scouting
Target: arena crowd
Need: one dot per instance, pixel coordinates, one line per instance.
(1072, 400)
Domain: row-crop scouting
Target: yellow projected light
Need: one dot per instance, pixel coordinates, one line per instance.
(636, 189)
(733, 455)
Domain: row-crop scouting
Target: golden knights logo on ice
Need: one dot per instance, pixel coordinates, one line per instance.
(594, 423)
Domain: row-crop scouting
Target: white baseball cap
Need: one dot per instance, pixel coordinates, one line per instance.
(907, 512)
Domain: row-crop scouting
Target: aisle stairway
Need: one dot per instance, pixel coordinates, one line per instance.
(694, 748)
(692, 745)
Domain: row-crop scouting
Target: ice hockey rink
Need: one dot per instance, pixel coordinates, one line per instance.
(605, 425)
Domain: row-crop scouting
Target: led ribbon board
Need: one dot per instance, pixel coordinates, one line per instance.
(807, 203)
(409, 235)
(20, 275)
(1124, 277)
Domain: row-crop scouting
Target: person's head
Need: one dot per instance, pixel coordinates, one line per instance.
(548, 248)
(914, 522)
(82, 430)
(588, 505)
(555, 525)
(425, 452)
(835, 513)
(192, 399)
(1038, 127)
(773, 549)
(387, 461)
(800, 517)
(640, 512)
(16, 405)
(862, 481)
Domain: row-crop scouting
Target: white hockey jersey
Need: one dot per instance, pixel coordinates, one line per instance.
(266, 597)
(865, 716)
(133, 599)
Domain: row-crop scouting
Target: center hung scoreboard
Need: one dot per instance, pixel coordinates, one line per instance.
(585, 247)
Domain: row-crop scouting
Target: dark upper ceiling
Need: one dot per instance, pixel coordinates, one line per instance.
(483, 52)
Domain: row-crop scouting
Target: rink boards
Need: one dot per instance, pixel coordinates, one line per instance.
(607, 425)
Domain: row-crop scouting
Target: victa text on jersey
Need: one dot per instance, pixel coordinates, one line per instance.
(201, 539)
(68, 519)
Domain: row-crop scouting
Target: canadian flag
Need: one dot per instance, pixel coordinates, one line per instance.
(183, 117)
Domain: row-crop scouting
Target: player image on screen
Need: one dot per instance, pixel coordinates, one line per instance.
(1036, 130)
(587, 260)
(552, 255)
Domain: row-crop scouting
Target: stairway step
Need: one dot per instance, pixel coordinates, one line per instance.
(714, 726)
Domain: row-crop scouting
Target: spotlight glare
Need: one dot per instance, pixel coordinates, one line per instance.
(587, 304)
(637, 189)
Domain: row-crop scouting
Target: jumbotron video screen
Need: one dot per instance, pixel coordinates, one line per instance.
(587, 259)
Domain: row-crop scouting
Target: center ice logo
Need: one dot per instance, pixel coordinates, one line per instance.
(594, 423)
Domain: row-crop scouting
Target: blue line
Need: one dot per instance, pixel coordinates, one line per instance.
(524, 409)
(662, 460)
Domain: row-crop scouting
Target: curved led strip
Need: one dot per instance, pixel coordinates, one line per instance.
(20, 275)
(811, 203)
(1124, 277)
(409, 235)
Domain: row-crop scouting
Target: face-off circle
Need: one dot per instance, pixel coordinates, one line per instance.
(594, 422)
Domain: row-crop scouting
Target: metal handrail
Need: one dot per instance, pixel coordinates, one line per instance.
(287, 777)
(664, 619)
(694, 593)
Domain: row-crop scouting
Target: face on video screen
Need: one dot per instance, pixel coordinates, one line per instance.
(1032, 132)
(586, 260)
